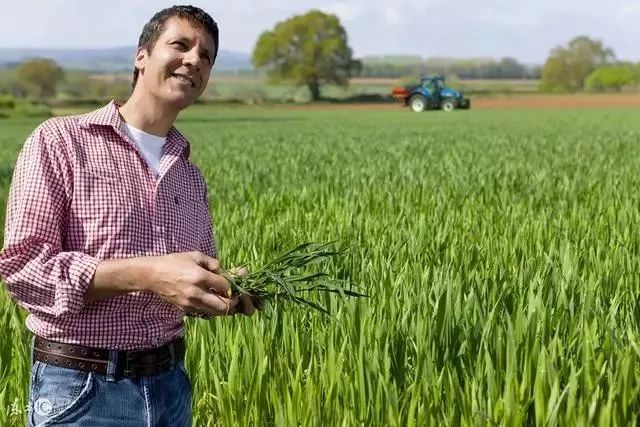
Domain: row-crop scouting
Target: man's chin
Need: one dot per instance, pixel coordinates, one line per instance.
(180, 102)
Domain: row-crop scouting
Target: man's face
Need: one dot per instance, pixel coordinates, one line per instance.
(177, 69)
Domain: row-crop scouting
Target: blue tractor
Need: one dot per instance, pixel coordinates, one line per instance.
(431, 94)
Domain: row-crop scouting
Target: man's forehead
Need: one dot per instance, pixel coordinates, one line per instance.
(179, 27)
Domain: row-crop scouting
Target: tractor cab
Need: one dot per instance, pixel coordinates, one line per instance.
(432, 86)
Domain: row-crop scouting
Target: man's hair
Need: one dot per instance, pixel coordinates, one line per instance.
(156, 26)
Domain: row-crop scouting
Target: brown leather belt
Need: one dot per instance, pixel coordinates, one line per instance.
(129, 364)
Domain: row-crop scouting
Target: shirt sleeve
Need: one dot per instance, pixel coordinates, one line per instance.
(209, 246)
(38, 274)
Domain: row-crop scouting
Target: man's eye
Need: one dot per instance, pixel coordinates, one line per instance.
(180, 44)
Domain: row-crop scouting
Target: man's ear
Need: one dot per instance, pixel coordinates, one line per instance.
(141, 58)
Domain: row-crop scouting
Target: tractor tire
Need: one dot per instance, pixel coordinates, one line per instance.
(448, 105)
(417, 103)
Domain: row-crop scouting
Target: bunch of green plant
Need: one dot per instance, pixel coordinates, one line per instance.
(287, 278)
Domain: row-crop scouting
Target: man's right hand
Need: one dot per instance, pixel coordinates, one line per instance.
(192, 282)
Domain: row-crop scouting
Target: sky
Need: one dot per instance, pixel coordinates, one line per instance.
(524, 29)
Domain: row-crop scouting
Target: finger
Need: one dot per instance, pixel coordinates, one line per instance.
(245, 306)
(217, 305)
(217, 284)
(257, 302)
(234, 302)
(208, 263)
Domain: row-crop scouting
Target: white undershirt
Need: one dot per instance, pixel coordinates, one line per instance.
(149, 145)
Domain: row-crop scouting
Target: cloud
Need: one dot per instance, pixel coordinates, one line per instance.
(347, 10)
(393, 17)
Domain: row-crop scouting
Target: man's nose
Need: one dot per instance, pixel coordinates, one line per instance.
(192, 58)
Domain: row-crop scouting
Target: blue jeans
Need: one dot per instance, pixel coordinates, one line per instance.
(66, 397)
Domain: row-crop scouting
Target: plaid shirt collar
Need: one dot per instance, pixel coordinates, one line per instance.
(108, 115)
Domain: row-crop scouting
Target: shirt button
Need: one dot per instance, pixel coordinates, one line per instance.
(157, 229)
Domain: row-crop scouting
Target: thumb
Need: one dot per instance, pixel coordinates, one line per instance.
(208, 263)
(213, 265)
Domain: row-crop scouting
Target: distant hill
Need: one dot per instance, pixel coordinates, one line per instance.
(108, 60)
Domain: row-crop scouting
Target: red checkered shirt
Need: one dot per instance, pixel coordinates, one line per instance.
(82, 193)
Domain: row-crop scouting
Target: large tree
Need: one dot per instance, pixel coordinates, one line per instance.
(307, 50)
(568, 67)
(40, 77)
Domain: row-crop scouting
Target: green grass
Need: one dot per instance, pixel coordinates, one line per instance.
(500, 251)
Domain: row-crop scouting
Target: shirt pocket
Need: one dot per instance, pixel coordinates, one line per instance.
(186, 222)
(97, 192)
(105, 209)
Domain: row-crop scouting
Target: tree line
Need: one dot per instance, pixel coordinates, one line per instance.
(312, 50)
(587, 64)
(505, 68)
(43, 79)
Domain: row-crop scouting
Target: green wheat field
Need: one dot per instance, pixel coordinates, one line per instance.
(500, 251)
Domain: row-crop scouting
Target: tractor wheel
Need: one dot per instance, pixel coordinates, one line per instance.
(418, 103)
(448, 105)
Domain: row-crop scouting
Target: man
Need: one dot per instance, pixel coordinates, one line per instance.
(109, 242)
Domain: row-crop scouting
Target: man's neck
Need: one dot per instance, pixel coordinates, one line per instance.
(145, 113)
